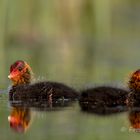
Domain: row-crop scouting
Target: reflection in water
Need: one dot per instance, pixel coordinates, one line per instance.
(134, 118)
(103, 100)
(20, 119)
(42, 104)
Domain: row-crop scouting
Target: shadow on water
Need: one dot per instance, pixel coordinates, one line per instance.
(42, 105)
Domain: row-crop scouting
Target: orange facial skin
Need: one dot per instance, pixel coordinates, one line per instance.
(19, 119)
(134, 82)
(20, 73)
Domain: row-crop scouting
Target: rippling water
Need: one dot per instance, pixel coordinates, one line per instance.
(65, 123)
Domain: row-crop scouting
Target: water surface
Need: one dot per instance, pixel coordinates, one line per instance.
(66, 123)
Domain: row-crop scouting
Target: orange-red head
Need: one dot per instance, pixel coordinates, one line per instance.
(134, 82)
(20, 73)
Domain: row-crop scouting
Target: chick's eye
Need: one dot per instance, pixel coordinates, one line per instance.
(19, 68)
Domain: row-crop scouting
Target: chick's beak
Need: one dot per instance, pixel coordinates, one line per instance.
(9, 76)
(13, 74)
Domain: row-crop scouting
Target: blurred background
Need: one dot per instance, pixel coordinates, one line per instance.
(78, 42)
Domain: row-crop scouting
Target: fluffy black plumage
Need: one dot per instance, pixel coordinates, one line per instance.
(45, 92)
(103, 100)
(133, 99)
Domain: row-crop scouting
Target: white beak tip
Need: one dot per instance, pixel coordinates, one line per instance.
(9, 76)
(9, 118)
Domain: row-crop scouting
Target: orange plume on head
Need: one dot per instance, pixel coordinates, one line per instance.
(20, 73)
(134, 82)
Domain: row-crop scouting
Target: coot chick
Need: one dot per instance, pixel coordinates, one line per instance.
(133, 99)
(22, 89)
(103, 100)
(42, 94)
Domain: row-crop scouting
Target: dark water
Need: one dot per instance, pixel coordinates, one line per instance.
(61, 123)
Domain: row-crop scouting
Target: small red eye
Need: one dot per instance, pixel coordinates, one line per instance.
(20, 68)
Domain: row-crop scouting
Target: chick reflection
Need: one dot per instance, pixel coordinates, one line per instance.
(20, 119)
(134, 118)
